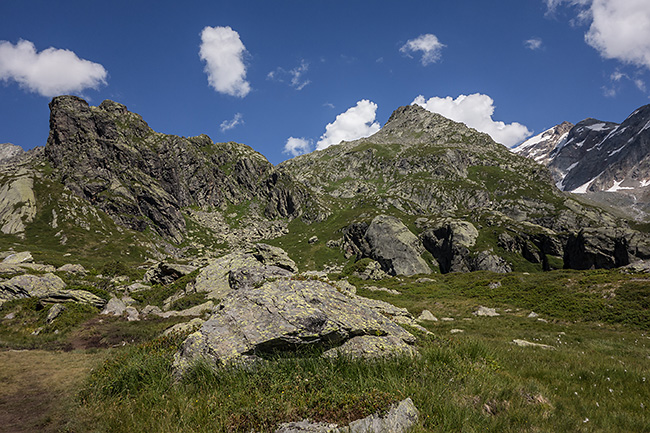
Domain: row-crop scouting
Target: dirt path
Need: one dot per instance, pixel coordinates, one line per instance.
(36, 387)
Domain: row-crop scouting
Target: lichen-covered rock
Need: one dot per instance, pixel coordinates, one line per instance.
(241, 269)
(274, 256)
(18, 258)
(372, 271)
(371, 347)
(427, 316)
(400, 418)
(486, 312)
(73, 269)
(48, 288)
(282, 316)
(185, 327)
(17, 204)
(54, 312)
(114, 307)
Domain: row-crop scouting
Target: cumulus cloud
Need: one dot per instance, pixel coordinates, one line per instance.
(50, 72)
(616, 78)
(295, 75)
(230, 124)
(618, 29)
(297, 146)
(223, 53)
(533, 43)
(428, 44)
(357, 122)
(476, 111)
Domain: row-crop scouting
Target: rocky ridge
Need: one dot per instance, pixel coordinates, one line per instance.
(606, 161)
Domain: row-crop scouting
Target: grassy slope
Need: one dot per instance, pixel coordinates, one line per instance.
(595, 380)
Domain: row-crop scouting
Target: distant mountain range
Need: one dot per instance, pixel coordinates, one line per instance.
(606, 161)
(424, 194)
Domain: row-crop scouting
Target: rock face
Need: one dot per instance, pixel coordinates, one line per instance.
(389, 242)
(607, 248)
(9, 151)
(141, 178)
(449, 241)
(284, 315)
(17, 203)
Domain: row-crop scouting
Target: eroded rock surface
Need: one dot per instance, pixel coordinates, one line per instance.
(279, 316)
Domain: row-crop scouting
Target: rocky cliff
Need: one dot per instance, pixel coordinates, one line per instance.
(144, 179)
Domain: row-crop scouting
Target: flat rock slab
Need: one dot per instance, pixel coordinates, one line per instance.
(400, 418)
(524, 343)
(279, 316)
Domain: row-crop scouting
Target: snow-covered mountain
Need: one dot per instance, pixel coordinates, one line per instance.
(596, 157)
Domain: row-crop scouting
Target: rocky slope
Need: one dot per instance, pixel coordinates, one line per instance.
(469, 202)
(424, 194)
(143, 179)
(599, 158)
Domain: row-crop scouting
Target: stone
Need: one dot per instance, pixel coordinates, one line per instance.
(274, 256)
(18, 258)
(114, 307)
(533, 315)
(425, 280)
(151, 309)
(132, 314)
(494, 285)
(312, 240)
(400, 418)
(10, 316)
(426, 315)
(137, 287)
(456, 331)
(54, 312)
(344, 286)
(447, 319)
(382, 289)
(185, 327)
(282, 316)
(524, 343)
(372, 271)
(166, 273)
(73, 269)
(486, 312)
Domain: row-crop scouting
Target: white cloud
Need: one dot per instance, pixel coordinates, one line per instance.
(357, 122)
(295, 75)
(428, 44)
(223, 53)
(476, 111)
(618, 29)
(230, 124)
(51, 72)
(617, 78)
(297, 146)
(533, 43)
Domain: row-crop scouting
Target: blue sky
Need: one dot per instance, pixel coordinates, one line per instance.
(309, 73)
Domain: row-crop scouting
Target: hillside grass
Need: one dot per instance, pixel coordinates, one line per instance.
(469, 381)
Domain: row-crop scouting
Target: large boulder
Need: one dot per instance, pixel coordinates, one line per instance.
(242, 269)
(449, 241)
(594, 248)
(166, 273)
(282, 316)
(388, 241)
(48, 288)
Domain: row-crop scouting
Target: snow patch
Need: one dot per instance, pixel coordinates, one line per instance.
(617, 186)
(645, 182)
(598, 127)
(614, 152)
(531, 142)
(582, 189)
(647, 125)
